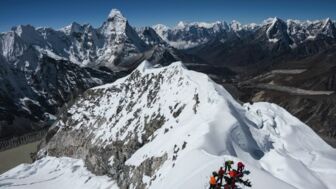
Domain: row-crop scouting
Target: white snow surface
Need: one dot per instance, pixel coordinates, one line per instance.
(54, 173)
(280, 151)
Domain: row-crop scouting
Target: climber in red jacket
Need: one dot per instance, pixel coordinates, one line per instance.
(240, 167)
(233, 176)
(220, 176)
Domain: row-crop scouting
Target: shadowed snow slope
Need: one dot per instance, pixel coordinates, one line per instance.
(170, 128)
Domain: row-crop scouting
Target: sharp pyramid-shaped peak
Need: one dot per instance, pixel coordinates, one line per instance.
(277, 30)
(150, 36)
(272, 21)
(328, 28)
(116, 22)
(328, 24)
(277, 20)
(327, 20)
(115, 13)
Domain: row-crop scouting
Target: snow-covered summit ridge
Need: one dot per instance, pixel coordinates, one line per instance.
(171, 122)
(147, 67)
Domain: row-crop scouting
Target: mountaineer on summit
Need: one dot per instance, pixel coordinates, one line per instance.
(231, 177)
(212, 181)
(240, 167)
(221, 173)
(228, 165)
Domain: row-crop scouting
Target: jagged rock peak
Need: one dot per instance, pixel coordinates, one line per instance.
(23, 28)
(328, 20)
(116, 22)
(74, 27)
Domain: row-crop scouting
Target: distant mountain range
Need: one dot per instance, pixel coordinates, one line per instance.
(290, 32)
(42, 69)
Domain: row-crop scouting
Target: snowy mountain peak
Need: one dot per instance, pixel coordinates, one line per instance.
(328, 28)
(328, 20)
(277, 30)
(116, 24)
(147, 67)
(207, 25)
(328, 23)
(275, 19)
(181, 25)
(154, 127)
(115, 13)
(161, 27)
(144, 66)
(74, 27)
(217, 25)
(235, 25)
(151, 37)
(272, 20)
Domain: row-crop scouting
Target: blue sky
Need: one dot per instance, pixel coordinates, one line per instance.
(58, 13)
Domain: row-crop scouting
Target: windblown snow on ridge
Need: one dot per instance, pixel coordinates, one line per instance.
(170, 127)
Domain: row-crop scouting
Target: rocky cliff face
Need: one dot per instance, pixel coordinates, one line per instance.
(32, 94)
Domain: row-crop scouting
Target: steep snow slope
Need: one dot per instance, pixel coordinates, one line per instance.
(170, 128)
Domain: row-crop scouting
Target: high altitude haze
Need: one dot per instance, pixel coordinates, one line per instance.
(57, 14)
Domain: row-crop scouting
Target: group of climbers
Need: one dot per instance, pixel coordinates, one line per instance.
(230, 175)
